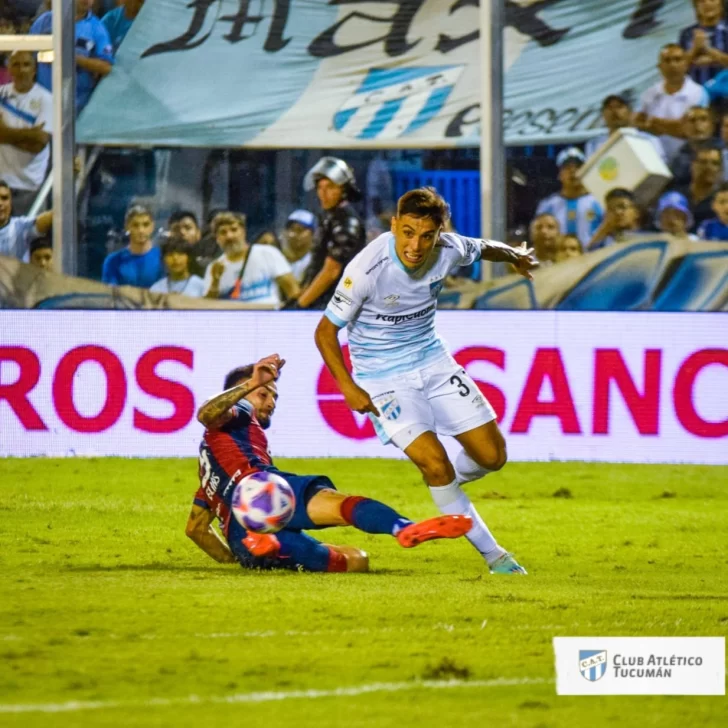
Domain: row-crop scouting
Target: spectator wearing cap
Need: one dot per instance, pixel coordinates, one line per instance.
(140, 263)
(716, 228)
(26, 121)
(298, 241)
(699, 128)
(673, 216)
(617, 114)
(16, 232)
(119, 20)
(663, 106)
(176, 256)
(41, 253)
(577, 212)
(620, 222)
(706, 42)
(706, 174)
(94, 53)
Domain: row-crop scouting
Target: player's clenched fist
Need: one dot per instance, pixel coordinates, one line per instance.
(358, 400)
(267, 369)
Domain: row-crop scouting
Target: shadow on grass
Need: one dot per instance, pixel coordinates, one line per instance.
(217, 570)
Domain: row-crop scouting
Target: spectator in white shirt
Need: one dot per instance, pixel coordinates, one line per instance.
(26, 118)
(16, 233)
(176, 256)
(664, 105)
(617, 114)
(251, 274)
(298, 241)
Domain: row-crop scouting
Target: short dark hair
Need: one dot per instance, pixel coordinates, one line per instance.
(4, 184)
(619, 193)
(708, 145)
(667, 46)
(722, 188)
(615, 97)
(237, 375)
(39, 244)
(137, 210)
(424, 202)
(174, 244)
(181, 215)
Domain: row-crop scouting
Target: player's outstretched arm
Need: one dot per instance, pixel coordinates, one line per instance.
(217, 410)
(521, 258)
(327, 342)
(199, 529)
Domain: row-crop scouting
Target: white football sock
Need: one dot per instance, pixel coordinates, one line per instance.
(451, 500)
(467, 470)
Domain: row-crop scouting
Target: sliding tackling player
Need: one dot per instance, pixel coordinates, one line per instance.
(235, 445)
(404, 376)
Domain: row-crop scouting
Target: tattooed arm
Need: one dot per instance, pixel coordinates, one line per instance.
(217, 410)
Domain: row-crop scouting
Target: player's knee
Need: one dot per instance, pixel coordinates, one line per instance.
(437, 470)
(492, 458)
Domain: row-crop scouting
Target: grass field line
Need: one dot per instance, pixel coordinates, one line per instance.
(268, 696)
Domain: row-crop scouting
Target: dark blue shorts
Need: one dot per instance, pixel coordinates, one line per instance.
(304, 487)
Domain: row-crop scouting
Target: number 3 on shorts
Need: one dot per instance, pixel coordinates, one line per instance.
(463, 389)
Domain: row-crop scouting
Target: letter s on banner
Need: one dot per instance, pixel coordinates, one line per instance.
(115, 389)
(178, 394)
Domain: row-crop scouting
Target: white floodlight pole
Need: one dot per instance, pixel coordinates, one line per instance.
(492, 150)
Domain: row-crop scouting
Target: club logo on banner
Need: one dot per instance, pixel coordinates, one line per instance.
(396, 102)
(592, 664)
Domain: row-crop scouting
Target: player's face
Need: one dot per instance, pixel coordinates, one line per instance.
(42, 258)
(22, 70)
(329, 193)
(264, 401)
(414, 239)
(187, 229)
(140, 229)
(6, 204)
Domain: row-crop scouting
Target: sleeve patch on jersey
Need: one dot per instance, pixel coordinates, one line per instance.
(348, 283)
(341, 300)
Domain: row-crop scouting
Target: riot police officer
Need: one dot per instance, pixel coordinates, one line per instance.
(340, 235)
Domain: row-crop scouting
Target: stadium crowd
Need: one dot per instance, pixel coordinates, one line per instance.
(683, 116)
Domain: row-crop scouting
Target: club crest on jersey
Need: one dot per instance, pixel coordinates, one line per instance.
(348, 283)
(436, 287)
(391, 300)
(390, 409)
(395, 102)
(592, 664)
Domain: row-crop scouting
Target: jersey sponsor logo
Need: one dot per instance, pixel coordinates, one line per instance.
(341, 300)
(390, 319)
(348, 283)
(391, 300)
(376, 265)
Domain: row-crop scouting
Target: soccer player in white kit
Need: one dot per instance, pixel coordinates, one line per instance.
(403, 376)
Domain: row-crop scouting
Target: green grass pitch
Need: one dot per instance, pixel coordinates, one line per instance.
(112, 616)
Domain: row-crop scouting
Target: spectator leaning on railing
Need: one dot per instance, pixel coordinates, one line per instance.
(621, 220)
(544, 237)
(716, 228)
(706, 42)
(663, 106)
(253, 274)
(17, 232)
(26, 123)
(577, 212)
(118, 21)
(617, 114)
(94, 53)
(140, 263)
(176, 256)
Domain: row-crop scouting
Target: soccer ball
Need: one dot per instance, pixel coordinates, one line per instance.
(263, 502)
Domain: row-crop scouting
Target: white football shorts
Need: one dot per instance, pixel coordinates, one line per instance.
(441, 397)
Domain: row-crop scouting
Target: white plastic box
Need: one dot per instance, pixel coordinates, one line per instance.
(629, 160)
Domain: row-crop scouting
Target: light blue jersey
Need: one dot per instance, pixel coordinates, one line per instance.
(15, 236)
(580, 216)
(389, 311)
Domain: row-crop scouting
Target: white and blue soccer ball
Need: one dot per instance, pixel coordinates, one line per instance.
(263, 502)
